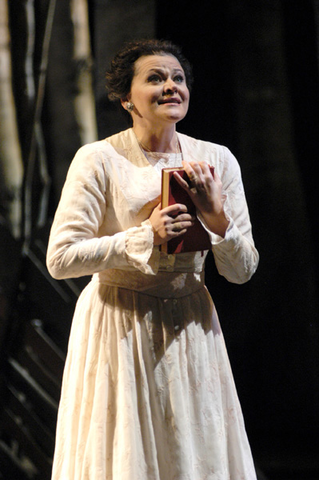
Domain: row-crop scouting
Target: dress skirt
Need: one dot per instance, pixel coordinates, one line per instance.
(148, 392)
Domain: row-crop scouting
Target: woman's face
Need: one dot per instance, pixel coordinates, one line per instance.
(158, 91)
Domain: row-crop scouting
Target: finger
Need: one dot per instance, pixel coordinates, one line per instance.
(193, 169)
(193, 177)
(177, 227)
(175, 209)
(216, 177)
(181, 181)
(189, 168)
(208, 170)
(196, 174)
(182, 221)
(184, 217)
(187, 186)
(181, 227)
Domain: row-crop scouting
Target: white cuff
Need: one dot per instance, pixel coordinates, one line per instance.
(139, 248)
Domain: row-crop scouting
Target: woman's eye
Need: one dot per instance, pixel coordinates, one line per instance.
(154, 79)
(179, 79)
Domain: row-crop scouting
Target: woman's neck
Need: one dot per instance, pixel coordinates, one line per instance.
(158, 140)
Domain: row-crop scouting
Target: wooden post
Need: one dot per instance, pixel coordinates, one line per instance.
(84, 103)
(11, 165)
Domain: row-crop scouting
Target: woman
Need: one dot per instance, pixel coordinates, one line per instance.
(148, 393)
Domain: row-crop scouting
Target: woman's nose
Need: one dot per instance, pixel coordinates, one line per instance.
(170, 86)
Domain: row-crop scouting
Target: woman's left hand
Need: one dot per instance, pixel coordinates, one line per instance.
(205, 190)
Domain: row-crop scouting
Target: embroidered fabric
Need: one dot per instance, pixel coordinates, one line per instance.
(147, 391)
(163, 160)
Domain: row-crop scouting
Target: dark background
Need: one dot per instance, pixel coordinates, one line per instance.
(256, 91)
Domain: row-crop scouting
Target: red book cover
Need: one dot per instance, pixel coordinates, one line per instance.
(196, 238)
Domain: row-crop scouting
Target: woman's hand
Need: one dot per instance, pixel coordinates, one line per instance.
(205, 190)
(170, 222)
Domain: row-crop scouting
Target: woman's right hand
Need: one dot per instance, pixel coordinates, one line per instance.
(170, 222)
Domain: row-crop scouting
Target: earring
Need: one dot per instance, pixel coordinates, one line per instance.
(129, 106)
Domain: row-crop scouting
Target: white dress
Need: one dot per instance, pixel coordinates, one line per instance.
(148, 392)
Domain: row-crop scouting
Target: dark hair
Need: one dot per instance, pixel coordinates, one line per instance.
(120, 75)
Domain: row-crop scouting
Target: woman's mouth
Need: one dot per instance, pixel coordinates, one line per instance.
(172, 100)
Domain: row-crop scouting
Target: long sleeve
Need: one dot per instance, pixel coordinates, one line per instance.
(85, 238)
(101, 220)
(235, 255)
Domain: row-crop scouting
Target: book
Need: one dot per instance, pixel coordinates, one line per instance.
(196, 238)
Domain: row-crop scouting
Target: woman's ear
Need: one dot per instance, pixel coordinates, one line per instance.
(124, 102)
(127, 105)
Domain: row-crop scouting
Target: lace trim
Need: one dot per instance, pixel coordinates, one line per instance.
(161, 160)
